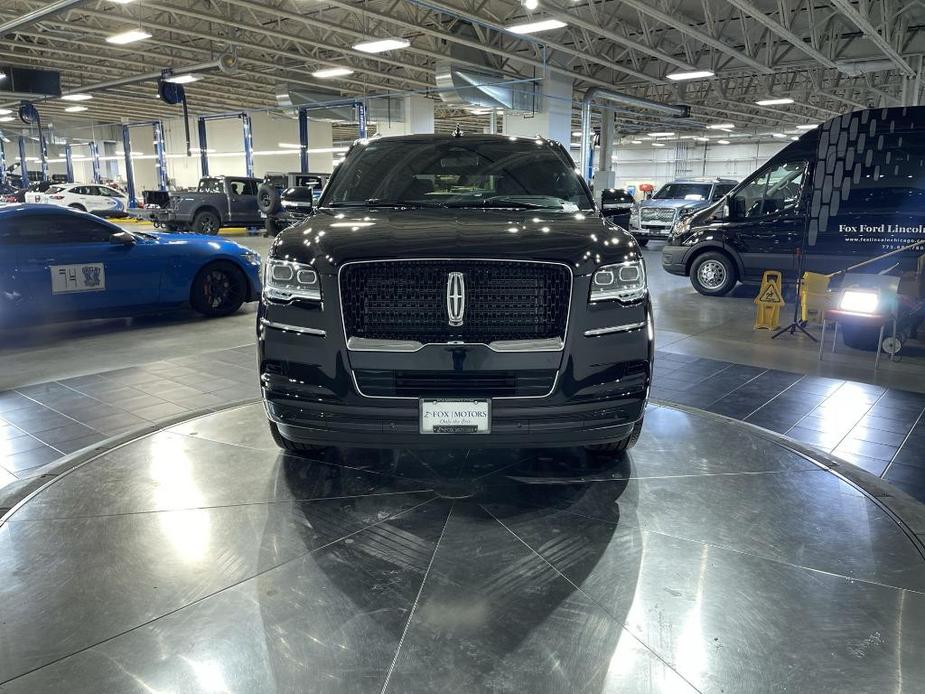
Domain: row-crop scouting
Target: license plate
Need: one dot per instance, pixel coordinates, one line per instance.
(66, 279)
(455, 416)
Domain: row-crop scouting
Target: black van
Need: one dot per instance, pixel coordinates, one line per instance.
(850, 190)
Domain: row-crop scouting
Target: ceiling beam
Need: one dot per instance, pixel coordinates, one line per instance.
(870, 31)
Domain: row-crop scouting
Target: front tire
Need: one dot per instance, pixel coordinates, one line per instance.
(206, 222)
(713, 274)
(218, 289)
(617, 447)
(300, 449)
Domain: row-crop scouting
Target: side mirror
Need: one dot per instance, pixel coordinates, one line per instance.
(298, 199)
(725, 211)
(122, 238)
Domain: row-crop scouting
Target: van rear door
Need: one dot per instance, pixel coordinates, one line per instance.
(868, 189)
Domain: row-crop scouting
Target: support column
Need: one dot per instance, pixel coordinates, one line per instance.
(303, 140)
(604, 176)
(203, 146)
(161, 154)
(416, 117)
(95, 161)
(69, 163)
(129, 169)
(553, 116)
(23, 168)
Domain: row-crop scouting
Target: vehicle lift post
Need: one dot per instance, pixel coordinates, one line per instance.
(248, 140)
(23, 169)
(94, 160)
(2, 161)
(303, 140)
(161, 164)
(69, 163)
(361, 118)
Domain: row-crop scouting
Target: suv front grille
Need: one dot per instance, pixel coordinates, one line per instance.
(657, 214)
(477, 384)
(407, 300)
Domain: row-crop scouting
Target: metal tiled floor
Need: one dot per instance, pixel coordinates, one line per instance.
(878, 429)
(40, 423)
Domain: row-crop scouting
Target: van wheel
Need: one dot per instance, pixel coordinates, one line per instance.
(713, 274)
(206, 223)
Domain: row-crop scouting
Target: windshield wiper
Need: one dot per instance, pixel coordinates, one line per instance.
(504, 203)
(381, 202)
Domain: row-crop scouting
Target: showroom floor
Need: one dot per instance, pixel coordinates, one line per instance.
(139, 445)
(713, 558)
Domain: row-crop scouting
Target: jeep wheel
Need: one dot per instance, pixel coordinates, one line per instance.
(268, 199)
(206, 223)
(713, 274)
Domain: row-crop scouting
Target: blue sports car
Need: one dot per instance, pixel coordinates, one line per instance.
(61, 264)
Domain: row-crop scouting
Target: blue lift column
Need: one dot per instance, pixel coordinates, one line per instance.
(248, 140)
(95, 161)
(161, 154)
(23, 169)
(303, 140)
(69, 163)
(2, 162)
(129, 169)
(43, 153)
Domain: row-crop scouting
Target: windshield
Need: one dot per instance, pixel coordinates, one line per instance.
(684, 191)
(458, 173)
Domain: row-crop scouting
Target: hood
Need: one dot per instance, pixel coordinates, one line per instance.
(332, 237)
(674, 204)
(215, 242)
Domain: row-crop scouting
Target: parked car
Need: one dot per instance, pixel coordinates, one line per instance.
(218, 201)
(60, 264)
(270, 192)
(86, 197)
(455, 291)
(655, 218)
(848, 191)
(616, 205)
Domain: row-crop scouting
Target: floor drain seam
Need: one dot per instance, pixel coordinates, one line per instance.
(414, 605)
(621, 623)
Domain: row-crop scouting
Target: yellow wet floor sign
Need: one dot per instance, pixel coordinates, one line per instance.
(769, 301)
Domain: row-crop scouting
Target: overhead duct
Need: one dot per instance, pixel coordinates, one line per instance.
(333, 107)
(466, 86)
(28, 83)
(36, 15)
(865, 67)
(587, 146)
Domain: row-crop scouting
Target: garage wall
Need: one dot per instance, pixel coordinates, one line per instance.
(637, 164)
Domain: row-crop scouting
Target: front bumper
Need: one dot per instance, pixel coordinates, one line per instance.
(674, 259)
(652, 231)
(600, 390)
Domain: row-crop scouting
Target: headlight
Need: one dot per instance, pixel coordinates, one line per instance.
(285, 280)
(624, 282)
(682, 226)
(859, 301)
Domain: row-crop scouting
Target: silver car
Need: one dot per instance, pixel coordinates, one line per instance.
(656, 217)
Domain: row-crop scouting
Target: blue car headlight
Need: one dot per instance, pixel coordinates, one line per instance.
(285, 280)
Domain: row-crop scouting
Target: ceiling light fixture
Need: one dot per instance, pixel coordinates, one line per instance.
(5, 111)
(657, 144)
(381, 45)
(807, 127)
(661, 134)
(534, 27)
(721, 126)
(722, 142)
(6, 119)
(77, 97)
(636, 142)
(75, 109)
(531, 4)
(330, 72)
(693, 75)
(184, 79)
(129, 36)
(775, 102)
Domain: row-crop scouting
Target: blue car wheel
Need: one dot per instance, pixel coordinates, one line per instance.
(219, 289)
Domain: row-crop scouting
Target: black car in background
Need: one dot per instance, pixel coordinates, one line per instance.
(848, 191)
(616, 205)
(455, 291)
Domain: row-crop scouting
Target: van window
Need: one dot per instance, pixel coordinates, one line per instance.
(889, 178)
(775, 191)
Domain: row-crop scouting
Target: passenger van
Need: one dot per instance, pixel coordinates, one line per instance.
(850, 190)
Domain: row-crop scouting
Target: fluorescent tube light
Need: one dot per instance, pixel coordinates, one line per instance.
(661, 134)
(694, 75)
(129, 36)
(184, 79)
(775, 102)
(330, 72)
(75, 109)
(722, 126)
(77, 97)
(722, 142)
(381, 45)
(807, 127)
(534, 27)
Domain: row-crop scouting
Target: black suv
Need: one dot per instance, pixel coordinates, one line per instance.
(455, 291)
